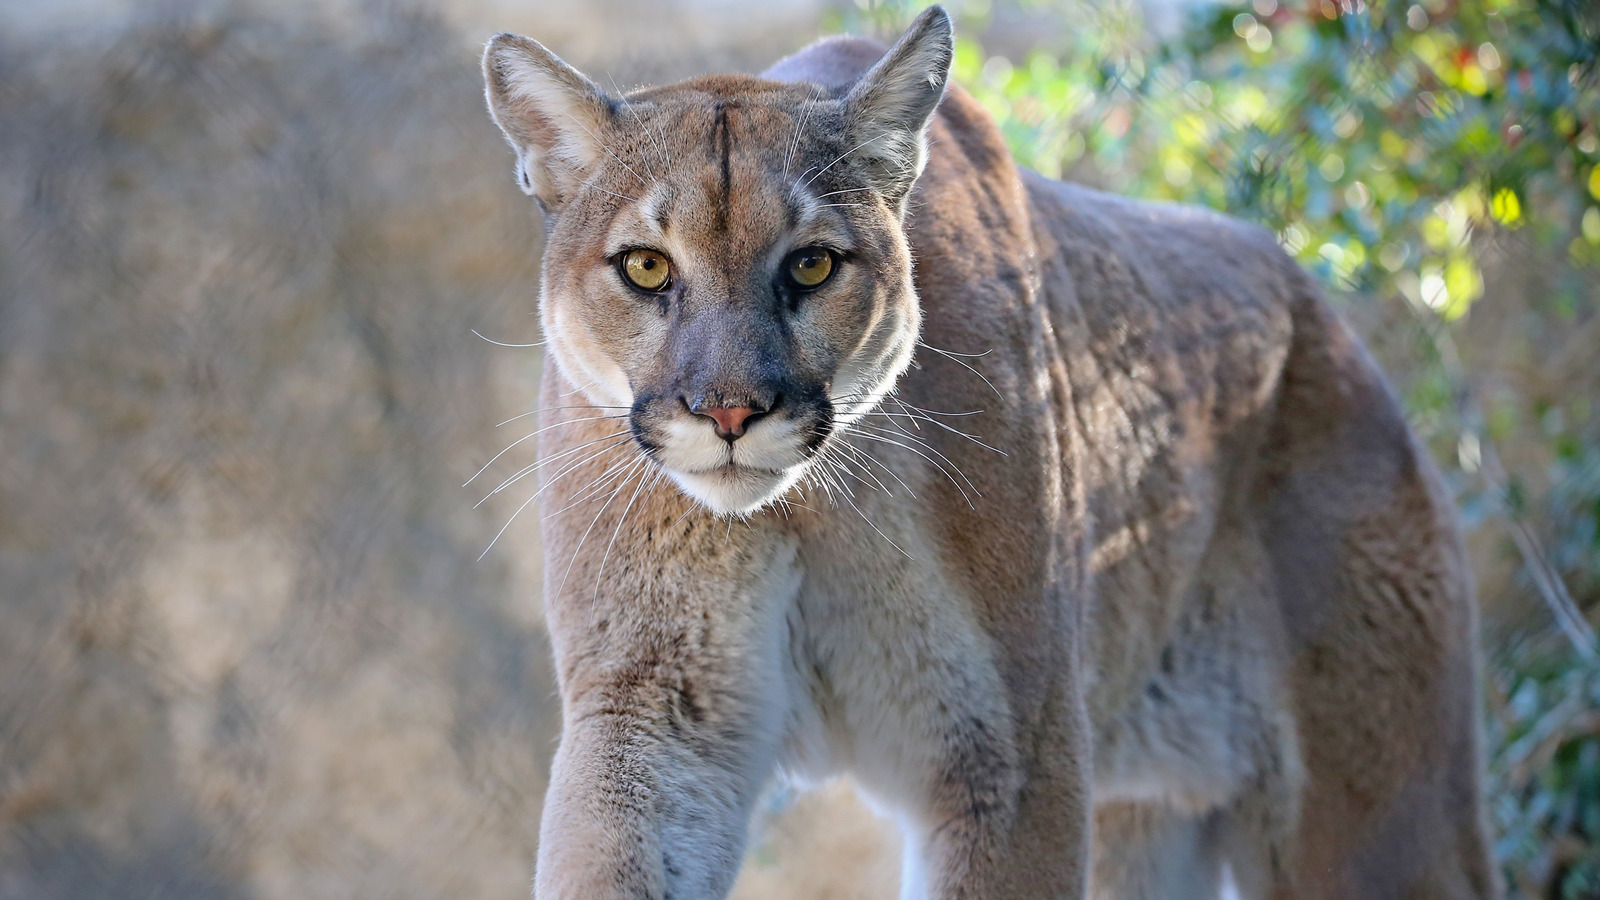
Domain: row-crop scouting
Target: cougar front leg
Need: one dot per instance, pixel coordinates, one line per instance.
(672, 700)
(1018, 832)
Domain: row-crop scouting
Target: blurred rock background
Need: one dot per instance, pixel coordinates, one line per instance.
(246, 647)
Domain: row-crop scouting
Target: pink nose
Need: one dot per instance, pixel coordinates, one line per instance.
(730, 419)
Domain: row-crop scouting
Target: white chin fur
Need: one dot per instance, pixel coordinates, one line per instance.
(735, 479)
(736, 490)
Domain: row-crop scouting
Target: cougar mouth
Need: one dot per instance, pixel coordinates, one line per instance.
(732, 468)
(732, 473)
(735, 489)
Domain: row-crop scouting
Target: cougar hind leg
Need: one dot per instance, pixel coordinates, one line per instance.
(1150, 851)
(1375, 595)
(1154, 850)
(1145, 851)
(1385, 685)
(1202, 772)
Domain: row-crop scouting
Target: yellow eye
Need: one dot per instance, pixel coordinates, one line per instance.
(647, 269)
(809, 267)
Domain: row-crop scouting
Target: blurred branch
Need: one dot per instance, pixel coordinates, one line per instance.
(1550, 584)
(1552, 588)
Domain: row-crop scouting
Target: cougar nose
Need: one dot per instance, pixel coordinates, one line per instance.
(730, 420)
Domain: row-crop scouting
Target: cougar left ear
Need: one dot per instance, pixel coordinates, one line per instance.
(552, 115)
(887, 110)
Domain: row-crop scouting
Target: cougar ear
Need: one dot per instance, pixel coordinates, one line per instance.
(887, 110)
(552, 115)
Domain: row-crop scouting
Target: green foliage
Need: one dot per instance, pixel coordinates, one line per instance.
(1404, 152)
(1544, 768)
(1373, 142)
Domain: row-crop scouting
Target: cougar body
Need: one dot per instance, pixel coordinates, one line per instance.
(1185, 602)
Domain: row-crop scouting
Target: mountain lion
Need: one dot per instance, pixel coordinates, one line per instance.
(1077, 529)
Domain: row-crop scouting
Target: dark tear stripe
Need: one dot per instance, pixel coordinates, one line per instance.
(724, 144)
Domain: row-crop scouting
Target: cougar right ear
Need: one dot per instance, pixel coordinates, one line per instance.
(552, 115)
(887, 111)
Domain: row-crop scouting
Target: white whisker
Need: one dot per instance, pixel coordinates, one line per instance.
(594, 488)
(513, 519)
(956, 358)
(579, 549)
(666, 158)
(893, 417)
(877, 529)
(799, 130)
(935, 463)
(842, 156)
(954, 353)
(864, 455)
(621, 520)
(638, 121)
(607, 149)
(796, 186)
(617, 440)
(901, 432)
(535, 412)
(514, 443)
(504, 344)
(590, 184)
(843, 461)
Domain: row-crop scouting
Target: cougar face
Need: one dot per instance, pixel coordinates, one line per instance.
(725, 258)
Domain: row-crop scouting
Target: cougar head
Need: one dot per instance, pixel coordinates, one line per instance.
(725, 256)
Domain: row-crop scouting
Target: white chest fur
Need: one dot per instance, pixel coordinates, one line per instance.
(887, 672)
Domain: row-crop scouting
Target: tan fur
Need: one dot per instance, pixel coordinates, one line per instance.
(1205, 608)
